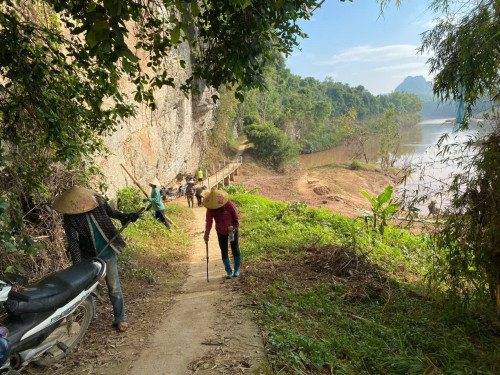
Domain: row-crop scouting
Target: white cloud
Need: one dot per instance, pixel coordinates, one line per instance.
(374, 54)
(404, 66)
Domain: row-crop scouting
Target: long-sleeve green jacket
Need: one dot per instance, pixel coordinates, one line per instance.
(156, 202)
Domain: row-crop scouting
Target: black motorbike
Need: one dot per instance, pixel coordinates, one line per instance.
(45, 321)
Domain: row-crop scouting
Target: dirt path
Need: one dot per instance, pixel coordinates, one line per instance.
(207, 330)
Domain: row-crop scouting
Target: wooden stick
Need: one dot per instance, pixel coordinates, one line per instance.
(207, 261)
(135, 181)
(119, 231)
(144, 191)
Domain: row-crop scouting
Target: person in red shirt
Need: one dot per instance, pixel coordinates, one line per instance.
(225, 214)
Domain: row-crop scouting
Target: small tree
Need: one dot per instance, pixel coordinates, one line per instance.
(389, 139)
(382, 208)
(271, 144)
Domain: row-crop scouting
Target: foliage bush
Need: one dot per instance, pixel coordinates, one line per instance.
(271, 145)
(129, 199)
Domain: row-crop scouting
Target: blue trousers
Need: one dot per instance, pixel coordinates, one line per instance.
(114, 288)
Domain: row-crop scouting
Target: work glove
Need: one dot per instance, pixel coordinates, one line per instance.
(133, 217)
(145, 200)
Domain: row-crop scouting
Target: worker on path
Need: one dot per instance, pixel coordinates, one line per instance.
(190, 192)
(88, 226)
(156, 202)
(200, 176)
(199, 193)
(225, 214)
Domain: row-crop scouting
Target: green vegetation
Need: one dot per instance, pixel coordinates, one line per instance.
(312, 113)
(150, 245)
(334, 296)
(63, 64)
(222, 136)
(464, 45)
(382, 208)
(271, 145)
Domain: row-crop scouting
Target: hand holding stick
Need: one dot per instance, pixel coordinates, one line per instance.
(119, 231)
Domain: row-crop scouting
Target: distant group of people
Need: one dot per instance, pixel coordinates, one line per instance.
(191, 191)
(91, 233)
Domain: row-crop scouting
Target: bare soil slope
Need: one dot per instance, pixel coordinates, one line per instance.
(334, 188)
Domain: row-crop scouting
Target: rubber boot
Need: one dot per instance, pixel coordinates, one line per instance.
(237, 262)
(227, 265)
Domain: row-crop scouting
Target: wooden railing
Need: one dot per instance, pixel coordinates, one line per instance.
(224, 175)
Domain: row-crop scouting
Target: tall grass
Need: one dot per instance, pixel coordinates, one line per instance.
(373, 319)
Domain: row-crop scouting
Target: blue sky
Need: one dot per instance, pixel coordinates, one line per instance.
(351, 43)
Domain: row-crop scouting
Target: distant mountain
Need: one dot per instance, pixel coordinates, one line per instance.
(423, 89)
(418, 86)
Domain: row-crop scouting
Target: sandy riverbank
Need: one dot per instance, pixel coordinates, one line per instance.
(333, 187)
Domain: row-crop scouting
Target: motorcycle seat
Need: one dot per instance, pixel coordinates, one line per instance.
(56, 289)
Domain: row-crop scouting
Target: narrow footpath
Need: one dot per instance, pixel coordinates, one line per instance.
(207, 330)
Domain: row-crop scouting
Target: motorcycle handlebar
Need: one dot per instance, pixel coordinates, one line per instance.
(19, 296)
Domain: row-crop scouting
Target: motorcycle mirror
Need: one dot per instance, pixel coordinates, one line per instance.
(17, 279)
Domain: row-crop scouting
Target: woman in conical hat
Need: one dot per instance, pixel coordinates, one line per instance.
(88, 226)
(225, 214)
(156, 202)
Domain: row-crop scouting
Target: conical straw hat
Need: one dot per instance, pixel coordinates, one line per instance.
(76, 200)
(154, 181)
(215, 199)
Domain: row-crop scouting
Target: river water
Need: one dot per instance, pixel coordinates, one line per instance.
(417, 150)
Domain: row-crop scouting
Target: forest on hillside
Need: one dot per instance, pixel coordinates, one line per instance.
(308, 115)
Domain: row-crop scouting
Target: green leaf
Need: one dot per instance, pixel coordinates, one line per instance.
(114, 7)
(20, 268)
(127, 66)
(195, 10)
(245, 3)
(91, 38)
(175, 34)
(130, 55)
(100, 25)
(389, 210)
(10, 246)
(79, 30)
(385, 196)
(365, 194)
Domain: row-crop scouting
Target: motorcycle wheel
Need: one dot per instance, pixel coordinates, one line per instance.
(76, 325)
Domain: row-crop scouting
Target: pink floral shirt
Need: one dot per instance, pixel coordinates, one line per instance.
(224, 217)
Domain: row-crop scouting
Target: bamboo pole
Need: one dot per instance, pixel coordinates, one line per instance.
(144, 191)
(135, 181)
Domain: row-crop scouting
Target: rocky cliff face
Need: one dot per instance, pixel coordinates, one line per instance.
(163, 143)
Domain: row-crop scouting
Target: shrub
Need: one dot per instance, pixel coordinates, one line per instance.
(130, 199)
(271, 144)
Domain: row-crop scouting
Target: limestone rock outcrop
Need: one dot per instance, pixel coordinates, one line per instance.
(166, 142)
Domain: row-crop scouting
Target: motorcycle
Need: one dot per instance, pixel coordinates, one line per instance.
(44, 322)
